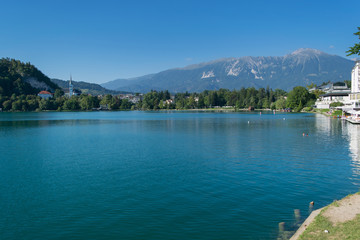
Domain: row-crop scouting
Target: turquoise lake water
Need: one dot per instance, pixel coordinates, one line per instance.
(169, 175)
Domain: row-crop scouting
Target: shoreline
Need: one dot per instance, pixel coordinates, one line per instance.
(162, 110)
(338, 220)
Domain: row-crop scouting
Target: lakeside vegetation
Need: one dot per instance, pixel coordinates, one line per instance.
(261, 98)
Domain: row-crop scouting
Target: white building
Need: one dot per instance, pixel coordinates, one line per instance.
(355, 86)
(334, 92)
(45, 94)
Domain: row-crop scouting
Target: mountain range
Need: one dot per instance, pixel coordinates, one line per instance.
(299, 68)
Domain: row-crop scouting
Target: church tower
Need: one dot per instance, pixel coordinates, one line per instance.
(71, 87)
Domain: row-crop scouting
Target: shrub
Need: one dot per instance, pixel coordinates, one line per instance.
(336, 104)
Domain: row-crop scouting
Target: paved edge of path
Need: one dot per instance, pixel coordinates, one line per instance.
(305, 224)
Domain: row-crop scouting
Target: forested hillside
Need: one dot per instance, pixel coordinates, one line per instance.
(21, 78)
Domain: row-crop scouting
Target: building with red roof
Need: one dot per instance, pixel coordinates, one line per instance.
(45, 94)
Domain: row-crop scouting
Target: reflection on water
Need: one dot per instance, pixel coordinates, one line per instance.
(353, 132)
(350, 132)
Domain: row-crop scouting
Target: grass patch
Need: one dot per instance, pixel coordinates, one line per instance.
(307, 109)
(348, 230)
(335, 203)
(316, 229)
(325, 110)
(337, 113)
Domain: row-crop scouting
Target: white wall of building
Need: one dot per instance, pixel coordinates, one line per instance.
(355, 78)
(355, 86)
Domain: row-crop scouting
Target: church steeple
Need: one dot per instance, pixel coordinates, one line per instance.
(71, 87)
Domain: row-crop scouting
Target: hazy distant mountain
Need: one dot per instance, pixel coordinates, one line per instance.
(302, 67)
(118, 83)
(85, 87)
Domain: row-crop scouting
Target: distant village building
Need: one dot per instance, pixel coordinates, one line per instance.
(334, 92)
(168, 101)
(45, 94)
(132, 98)
(104, 107)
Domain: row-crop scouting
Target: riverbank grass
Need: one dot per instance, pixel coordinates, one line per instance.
(328, 112)
(339, 220)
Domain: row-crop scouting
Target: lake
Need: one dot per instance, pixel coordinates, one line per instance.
(169, 175)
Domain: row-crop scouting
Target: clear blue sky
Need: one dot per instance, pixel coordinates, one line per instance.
(99, 41)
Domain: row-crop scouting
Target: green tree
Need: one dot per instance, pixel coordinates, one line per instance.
(115, 103)
(279, 93)
(44, 104)
(71, 104)
(86, 103)
(201, 103)
(7, 105)
(299, 96)
(299, 107)
(58, 93)
(273, 106)
(180, 104)
(355, 50)
(125, 104)
(317, 93)
(107, 100)
(237, 105)
(312, 85)
(280, 103)
(33, 103)
(207, 101)
(17, 105)
(348, 83)
(265, 104)
(161, 104)
(190, 102)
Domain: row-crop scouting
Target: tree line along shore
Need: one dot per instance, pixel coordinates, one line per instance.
(296, 100)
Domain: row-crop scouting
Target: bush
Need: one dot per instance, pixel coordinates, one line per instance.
(337, 113)
(336, 104)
